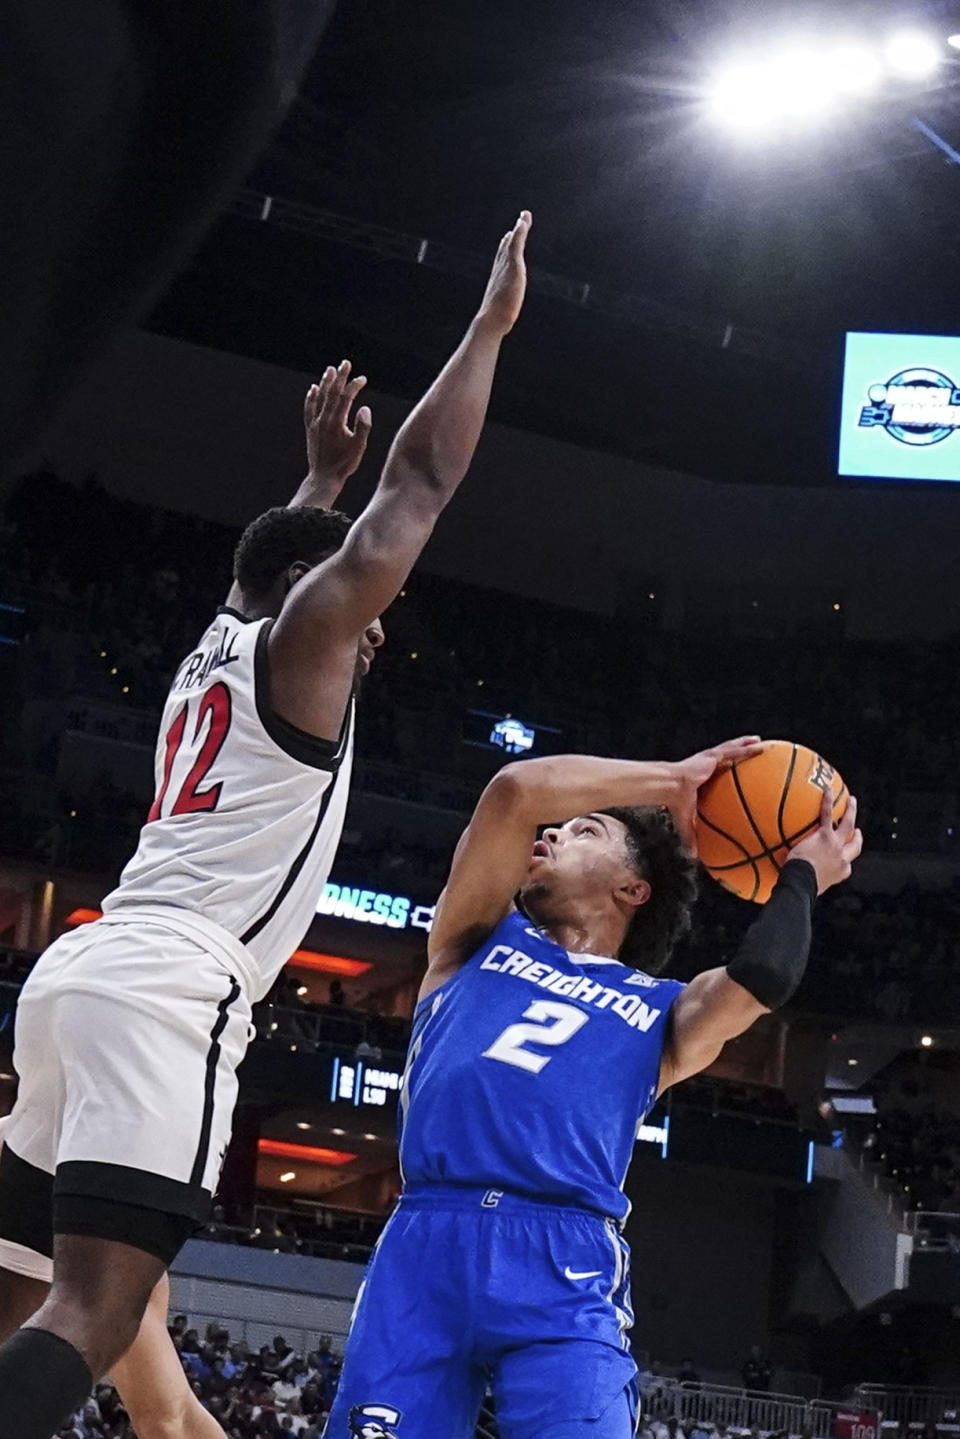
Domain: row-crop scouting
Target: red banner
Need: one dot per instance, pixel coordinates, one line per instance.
(856, 1424)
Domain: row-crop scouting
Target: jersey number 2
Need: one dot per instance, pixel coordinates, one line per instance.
(553, 1024)
(216, 705)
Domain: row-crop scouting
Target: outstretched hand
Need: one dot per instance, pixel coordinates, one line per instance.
(832, 848)
(334, 449)
(503, 298)
(695, 771)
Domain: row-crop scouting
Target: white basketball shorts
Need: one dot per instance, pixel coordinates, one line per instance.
(127, 1042)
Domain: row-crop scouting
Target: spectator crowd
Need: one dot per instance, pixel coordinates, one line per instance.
(102, 599)
(919, 1151)
(891, 957)
(263, 1394)
(114, 593)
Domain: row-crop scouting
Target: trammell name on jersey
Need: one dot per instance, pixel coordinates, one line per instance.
(248, 810)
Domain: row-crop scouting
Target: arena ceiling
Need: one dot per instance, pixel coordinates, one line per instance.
(721, 278)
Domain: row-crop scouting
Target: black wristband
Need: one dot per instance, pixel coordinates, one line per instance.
(773, 953)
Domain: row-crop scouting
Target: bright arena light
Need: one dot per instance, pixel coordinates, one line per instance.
(911, 54)
(801, 84)
(954, 40)
(807, 81)
(793, 85)
(737, 97)
(854, 69)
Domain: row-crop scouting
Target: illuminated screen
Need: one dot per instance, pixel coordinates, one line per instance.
(357, 1082)
(513, 736)
(900, 415)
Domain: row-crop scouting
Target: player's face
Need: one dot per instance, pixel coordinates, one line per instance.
(584, 859)
(370, 641)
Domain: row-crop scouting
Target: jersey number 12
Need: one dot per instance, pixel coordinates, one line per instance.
(552, 1024)
(215, 704)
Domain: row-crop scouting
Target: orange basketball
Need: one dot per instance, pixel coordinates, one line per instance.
(749, 816)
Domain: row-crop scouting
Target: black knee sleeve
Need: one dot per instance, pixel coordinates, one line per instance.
(43, 1380)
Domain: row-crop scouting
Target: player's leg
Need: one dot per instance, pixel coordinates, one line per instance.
(560, 1366)
(90, 1318)
(571, 1389)
(408, 1370)
(152, 1385)
(19, 1298)
(26, 1184)
(53, 1339)
(617, 1422)
(149, 1377)
(25, 1273)
(130, 1185)
(98, 1297)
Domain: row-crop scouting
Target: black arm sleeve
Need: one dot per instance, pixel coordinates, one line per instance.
(774, 951)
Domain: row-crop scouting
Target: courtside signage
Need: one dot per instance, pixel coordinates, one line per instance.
(371, 906)
(900, 413)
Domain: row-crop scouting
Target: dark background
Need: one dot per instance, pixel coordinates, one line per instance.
(438, 122)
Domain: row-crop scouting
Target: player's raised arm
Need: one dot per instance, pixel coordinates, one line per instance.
(496, 851)
(336, 443)
(313, 646)
(769, 965)
(336, 439)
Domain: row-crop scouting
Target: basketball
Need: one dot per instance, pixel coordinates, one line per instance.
(750, 815)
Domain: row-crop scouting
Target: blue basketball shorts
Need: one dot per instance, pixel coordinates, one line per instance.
(470, 1289)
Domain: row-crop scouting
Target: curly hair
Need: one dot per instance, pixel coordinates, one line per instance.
(658, 855)
(279, 538)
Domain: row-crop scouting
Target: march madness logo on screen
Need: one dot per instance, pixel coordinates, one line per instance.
(916, 407)
(900, 405)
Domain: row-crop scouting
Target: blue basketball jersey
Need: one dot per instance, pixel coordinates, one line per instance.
(530, 1069)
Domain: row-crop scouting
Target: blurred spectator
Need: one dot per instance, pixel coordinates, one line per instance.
(279, 1392)
(756, 1371)
(688, 1375)
(919, 1150)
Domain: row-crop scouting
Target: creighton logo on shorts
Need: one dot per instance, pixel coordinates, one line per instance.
(916, 407)
(371, 1421)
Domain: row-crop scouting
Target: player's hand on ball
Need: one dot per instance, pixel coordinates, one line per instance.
(831, 849)
(507, 285)
(334, 450)
(696, 770)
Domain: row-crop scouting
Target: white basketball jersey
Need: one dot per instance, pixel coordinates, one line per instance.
(248, 810)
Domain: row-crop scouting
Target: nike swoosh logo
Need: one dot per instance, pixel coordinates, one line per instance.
(585, 1274)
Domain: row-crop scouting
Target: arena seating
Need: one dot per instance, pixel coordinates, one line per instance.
(105, 625)
(321, 1233)
(276, 1391)
(880, 957)
(253, 1395)
(106, 620)
(920, 1152)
